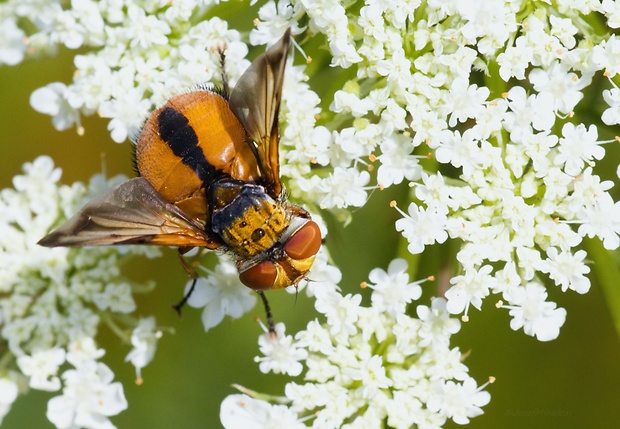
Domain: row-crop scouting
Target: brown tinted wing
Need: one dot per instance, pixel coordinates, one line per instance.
(131, 213)
(255, 101)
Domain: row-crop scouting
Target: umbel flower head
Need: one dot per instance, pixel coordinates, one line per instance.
(366, 366)
(53, 300)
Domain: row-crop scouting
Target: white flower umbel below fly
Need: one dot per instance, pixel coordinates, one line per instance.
(365, 365)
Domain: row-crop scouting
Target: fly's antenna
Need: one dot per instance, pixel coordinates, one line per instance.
(226, 89)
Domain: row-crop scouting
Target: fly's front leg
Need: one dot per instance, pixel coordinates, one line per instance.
(193, 274)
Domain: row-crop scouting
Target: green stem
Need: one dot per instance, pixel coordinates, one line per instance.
(606, 269)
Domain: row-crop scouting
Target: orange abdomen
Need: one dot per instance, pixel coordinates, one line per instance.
(191, 141)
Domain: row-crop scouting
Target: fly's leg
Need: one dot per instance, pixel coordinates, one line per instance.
(194, 275)
(270, 324)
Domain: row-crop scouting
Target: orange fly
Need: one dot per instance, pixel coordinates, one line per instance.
(209, 177)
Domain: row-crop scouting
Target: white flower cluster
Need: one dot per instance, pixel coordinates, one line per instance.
(53, 300)
(366, 365)
(89, 396)
(491, 89)
(139, 54)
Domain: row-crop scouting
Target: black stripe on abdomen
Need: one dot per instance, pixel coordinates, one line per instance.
(174, 129)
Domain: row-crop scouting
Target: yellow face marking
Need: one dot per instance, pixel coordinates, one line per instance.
(257, 230)
(291, 271)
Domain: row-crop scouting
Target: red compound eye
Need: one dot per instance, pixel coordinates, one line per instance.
(260, 277)
(305, 242)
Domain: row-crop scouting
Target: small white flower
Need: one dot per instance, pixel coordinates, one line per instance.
(605, 56)
(12, 46)
(392, 290)
(458, 401)
(612, 11)
(281, 355)
(462, 151)
(564, 30)
(221, 293)
(242, 411)
(127, 112)
(83, 350)
(601, 219)
(465, 101)
(372, 375)
(144, 340)
(564, 86)
(146, 30)
(437, 324)
(8, 395)
(89, 398)
(578, 146)
(344, 188)
(469, 289)
(527, 112)
(273, 21)
(422, 227)
(531, 311)
(397, 163)
(342, 312)
(611, 116)
(52, 100)
(345, 101)
(566, 269)
(515, 60)
(42, 368)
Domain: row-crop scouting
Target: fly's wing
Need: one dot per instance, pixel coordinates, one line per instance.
(255, 101)
(131, 213)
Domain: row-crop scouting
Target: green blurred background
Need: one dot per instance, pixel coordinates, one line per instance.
(573, 382)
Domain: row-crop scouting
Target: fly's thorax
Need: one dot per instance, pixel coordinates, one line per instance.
(245, 217)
